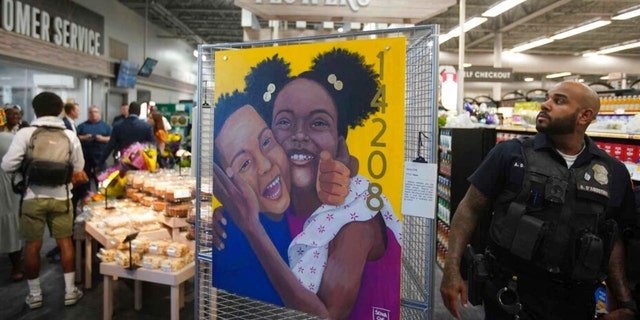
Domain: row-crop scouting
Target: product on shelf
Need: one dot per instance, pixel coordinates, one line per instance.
(107, 255)
(158, 205)
(178, 193)
(130, 191)
(152, 261)
(140, 245)
(138, 180)
(177, 249)
(172, 264)
(122, 258)
(161, 189)
(148, 200)
(180, 210)
(119, 232)
(158, 246)
(149, 185)
(116, 221)
(141, 218)
(137, 196)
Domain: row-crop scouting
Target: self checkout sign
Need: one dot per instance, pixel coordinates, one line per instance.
(374, 199)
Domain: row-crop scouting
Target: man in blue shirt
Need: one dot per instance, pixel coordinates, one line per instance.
(94, 135)
(124, 113)
(128, 131)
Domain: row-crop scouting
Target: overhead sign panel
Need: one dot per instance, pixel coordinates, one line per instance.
(61, 22)
(488, 74)
(386, 11)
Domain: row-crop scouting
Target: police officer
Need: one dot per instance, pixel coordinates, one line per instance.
(558, 202)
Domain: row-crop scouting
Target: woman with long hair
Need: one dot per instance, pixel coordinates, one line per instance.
(155, 120)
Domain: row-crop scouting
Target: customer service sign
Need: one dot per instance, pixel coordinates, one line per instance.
(60, 22)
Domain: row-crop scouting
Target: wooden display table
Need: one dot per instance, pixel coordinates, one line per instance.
(173, 223)
(173, 279)
(93, 234)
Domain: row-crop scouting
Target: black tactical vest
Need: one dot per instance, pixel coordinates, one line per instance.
(557, 220)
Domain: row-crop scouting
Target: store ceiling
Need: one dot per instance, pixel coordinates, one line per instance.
(216, 21)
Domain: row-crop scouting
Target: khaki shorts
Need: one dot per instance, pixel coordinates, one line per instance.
(57, 214)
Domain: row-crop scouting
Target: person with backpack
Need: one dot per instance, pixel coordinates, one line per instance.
(49, 159)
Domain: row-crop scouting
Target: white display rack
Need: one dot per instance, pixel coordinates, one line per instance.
(418, 254)
(93, 233)
(175, 280)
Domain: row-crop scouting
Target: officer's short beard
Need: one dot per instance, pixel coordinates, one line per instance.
(560, 126)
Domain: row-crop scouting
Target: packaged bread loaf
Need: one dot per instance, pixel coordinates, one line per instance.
(140, 244)
(116, 221)
(122, 258)
(172, 264)
(177, 249)
(158, 246)
(150, 227)
(141, 218)
(107, 255)
(189, 257)
(152, 261)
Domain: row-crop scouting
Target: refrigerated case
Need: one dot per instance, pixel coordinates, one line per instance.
(461, 150)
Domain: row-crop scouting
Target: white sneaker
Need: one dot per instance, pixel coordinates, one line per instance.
(34, 301)
(72, 297)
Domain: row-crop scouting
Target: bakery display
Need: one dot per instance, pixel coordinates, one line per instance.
(147, 228)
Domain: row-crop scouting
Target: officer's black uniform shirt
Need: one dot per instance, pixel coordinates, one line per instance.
(504, 168)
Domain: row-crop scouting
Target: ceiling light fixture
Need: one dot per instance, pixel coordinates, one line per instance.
(532, 44)
(627, 13)
(619, 47)
(444, 38)
(501, 7)
(455, 32)
(580, 29)
(468, 25)
(557, 75)
(528, 79)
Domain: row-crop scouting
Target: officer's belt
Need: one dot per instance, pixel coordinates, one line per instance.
(505, 266)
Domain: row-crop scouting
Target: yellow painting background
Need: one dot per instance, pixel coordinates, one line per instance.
(231, 67)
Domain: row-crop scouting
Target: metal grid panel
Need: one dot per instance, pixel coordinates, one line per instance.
(420, 127)
(418, 235)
